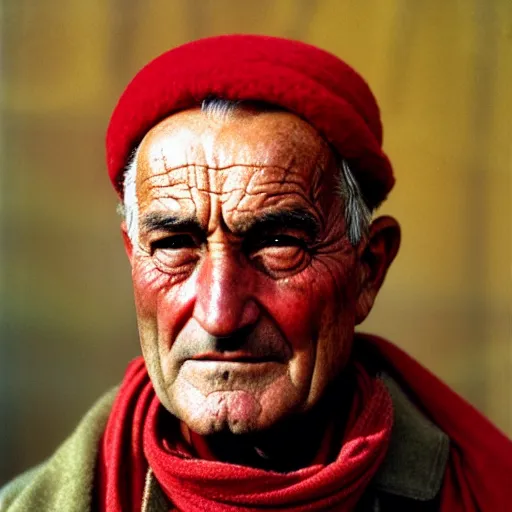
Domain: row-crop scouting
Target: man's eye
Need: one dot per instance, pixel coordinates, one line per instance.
(174, 242)
(281, 241)
(279, 255)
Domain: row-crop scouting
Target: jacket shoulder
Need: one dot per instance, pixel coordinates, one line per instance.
(65, 480)
(11, 490)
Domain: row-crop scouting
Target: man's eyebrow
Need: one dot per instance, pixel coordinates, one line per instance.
(157, 221)
(297, 218)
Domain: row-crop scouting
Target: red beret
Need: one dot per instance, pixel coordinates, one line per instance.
(313, 84)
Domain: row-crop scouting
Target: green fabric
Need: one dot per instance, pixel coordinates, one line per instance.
(64, 482)
(415, 464)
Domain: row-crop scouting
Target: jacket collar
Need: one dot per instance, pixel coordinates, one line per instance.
(415, 464)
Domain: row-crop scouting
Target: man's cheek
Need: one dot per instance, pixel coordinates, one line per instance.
(147, 281)
(299, 303)
(163, 304)
(294, 308)
(151, 285)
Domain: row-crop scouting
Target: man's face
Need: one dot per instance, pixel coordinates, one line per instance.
(246, 286)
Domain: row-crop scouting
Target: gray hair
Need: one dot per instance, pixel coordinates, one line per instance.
(129, 208)
(357, 213)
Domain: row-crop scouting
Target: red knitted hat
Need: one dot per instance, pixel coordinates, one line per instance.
(300, 78)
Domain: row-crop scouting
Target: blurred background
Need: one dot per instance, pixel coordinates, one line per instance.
(442, 72)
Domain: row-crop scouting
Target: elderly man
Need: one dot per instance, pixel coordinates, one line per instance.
(249, 168)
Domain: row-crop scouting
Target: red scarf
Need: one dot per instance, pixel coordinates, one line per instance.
(478, 475)
(132, 442)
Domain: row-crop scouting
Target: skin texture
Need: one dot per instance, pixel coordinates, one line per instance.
(247, 290)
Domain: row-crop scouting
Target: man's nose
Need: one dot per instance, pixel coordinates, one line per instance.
(224, 296)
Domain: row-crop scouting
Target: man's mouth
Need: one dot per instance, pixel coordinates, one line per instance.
(233, 357)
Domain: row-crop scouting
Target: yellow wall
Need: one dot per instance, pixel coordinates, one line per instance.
(441, 71)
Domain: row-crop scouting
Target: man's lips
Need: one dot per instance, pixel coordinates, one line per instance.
(233, 357)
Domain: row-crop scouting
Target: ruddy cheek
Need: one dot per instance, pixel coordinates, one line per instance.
(157, 297)
(295, 308)
(147, 281)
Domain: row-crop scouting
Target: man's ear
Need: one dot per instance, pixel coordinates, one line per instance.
(376, 255)
(128, 246)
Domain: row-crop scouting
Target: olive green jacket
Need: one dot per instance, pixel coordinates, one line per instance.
(410, 476)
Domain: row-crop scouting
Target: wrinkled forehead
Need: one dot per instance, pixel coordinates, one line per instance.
(243, 146)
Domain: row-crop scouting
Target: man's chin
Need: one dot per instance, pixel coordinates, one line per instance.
(237, 412)
(249, 406)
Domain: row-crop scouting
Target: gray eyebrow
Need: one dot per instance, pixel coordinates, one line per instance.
(297, 218)
(168, 222)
